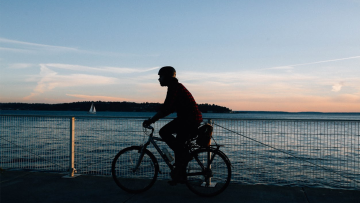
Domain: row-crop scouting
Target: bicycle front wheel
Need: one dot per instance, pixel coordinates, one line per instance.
(208, 172)
(130, 178)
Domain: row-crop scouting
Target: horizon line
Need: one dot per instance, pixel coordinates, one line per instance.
(233, 111)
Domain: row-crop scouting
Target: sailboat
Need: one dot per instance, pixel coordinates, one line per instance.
(92, 109)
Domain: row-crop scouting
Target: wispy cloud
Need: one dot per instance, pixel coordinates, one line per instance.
(28, 45)
(15, 50)
(281, 68)
(243, 77)
(97, 97)
(238, 89)
(51, 80)
(242, 89)
(311, 63)
(119, 70)
(20, 65)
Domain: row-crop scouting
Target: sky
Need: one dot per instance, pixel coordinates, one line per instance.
(278, 55)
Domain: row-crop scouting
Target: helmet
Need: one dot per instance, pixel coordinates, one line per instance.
(167, 71)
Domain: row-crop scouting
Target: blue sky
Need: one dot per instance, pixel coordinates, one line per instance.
(246, 55)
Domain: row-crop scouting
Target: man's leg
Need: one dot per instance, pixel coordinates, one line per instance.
(185, 130)
(183, 135)
(177, 144)
(166, 133)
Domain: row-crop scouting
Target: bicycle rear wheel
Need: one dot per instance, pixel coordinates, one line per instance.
(208, 172)
(125, 175)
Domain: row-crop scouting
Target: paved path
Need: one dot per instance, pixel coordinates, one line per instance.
(28, 187)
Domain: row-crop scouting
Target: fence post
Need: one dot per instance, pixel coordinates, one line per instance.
(72, 169)
(208, 182)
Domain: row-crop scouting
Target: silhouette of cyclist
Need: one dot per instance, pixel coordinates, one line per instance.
(178, 99)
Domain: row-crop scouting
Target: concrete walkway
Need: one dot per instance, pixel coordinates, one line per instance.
(24, 187)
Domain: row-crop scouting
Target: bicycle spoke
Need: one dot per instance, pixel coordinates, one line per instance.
(130, 173)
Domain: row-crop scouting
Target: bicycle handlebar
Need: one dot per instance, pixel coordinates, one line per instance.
(149, 127)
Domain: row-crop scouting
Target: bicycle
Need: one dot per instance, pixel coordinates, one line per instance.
(208, 171)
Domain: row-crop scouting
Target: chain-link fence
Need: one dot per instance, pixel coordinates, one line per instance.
(34, 142)
(314, 153)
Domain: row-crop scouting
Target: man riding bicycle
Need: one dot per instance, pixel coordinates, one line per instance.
(178, 99)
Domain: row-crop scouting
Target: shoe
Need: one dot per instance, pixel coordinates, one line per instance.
(174, 182)
(177, 176)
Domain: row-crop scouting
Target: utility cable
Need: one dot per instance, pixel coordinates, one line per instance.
(282, 151)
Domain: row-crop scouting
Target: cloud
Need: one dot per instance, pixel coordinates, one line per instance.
(287, 68)
(118, 70)
(29, 45)
(243, 77)
(51, 79)
(337, 87)
(14, 50)
(97, 98)
(249, 90)
(260, 89)
(20, 65)
(310, 63)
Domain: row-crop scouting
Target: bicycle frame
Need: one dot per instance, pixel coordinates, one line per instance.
(152, 140)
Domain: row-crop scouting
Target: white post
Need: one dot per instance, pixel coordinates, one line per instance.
(209, 155)
(72, 169)
(208, 182)
(210, 122)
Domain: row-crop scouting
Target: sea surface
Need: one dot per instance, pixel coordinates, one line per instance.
(292, 149)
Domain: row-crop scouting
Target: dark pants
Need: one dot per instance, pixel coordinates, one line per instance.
(184, 131)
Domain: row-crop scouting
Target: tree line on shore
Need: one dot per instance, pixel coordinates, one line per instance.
(104, 106)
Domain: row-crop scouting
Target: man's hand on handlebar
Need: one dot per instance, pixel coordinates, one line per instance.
(147, 123)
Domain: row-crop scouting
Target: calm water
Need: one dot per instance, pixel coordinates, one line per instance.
(322, 154)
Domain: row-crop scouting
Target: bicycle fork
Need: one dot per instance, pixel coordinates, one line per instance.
(138, 162)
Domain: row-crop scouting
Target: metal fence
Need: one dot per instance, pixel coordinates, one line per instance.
(313, 153)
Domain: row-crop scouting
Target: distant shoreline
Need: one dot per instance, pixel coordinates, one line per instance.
(135, 107)
(286, 112)
(233, 112)
(105, 106)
